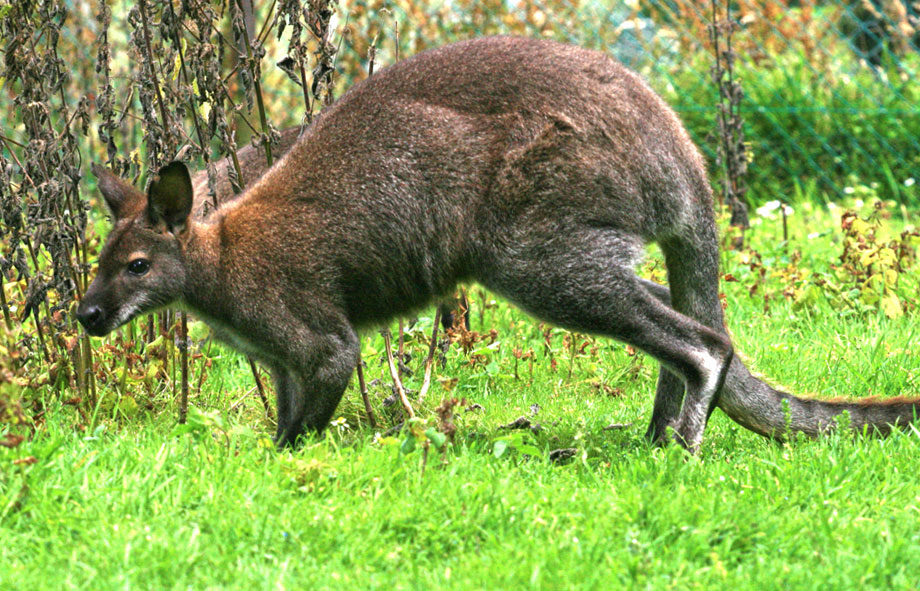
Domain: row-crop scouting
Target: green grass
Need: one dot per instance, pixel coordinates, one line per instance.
(135, 502)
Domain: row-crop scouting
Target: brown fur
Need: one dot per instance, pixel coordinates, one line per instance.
(536, 168)
(253, 164)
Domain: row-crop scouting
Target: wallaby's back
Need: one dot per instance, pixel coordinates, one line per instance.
(252, 160)
(433, 157)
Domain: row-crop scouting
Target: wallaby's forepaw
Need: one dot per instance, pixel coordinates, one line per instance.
(658, 435)
(692, 445)
(287, 439)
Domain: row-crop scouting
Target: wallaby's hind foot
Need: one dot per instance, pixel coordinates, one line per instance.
(665, 418)
(697, 407)
(663, 426)
(670, 389)
(689, 433)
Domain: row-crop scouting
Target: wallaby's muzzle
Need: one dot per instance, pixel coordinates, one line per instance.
(93, 318)
(98, 314)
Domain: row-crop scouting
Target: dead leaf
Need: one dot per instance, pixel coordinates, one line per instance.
(12, 440)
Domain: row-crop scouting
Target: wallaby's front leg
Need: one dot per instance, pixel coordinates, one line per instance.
(285, 391)
(314, 383)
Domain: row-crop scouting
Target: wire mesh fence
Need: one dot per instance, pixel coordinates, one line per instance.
(830, 90)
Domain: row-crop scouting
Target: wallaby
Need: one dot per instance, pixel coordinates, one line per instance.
(536, 168)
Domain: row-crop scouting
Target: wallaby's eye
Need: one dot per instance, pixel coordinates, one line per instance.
(138, 266)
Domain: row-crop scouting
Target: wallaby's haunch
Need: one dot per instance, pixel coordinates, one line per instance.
(535, 168)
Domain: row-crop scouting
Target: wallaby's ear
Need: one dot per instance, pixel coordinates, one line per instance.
(169, 199)
(122, 198)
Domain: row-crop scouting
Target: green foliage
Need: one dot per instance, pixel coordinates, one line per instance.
(878, 267)
(515, 441)
(808, 126)
(874, 268)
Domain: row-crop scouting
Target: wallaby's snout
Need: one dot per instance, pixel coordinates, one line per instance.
(92, 318)
(102, 308)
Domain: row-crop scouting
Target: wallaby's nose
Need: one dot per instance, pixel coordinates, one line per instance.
(90, 317)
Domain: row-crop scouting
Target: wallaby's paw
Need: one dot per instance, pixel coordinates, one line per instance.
(287, 440)
(658, 435)
(692, 445)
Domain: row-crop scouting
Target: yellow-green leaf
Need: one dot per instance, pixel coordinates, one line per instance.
(891, 277)
(128, 406)
(867, 258)
(198, 331)
(891, 306)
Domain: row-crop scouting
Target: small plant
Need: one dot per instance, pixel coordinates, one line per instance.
(873, 269)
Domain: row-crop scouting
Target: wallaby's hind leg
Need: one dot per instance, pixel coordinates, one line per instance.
(586, 282)
(693, 275)
(669, 394)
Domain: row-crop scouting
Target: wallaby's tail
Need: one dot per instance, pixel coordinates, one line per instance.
(770, 412)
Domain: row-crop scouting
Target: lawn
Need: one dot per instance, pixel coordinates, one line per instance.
(132, 500)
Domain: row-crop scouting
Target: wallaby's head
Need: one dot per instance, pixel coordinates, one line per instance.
(141, 266)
